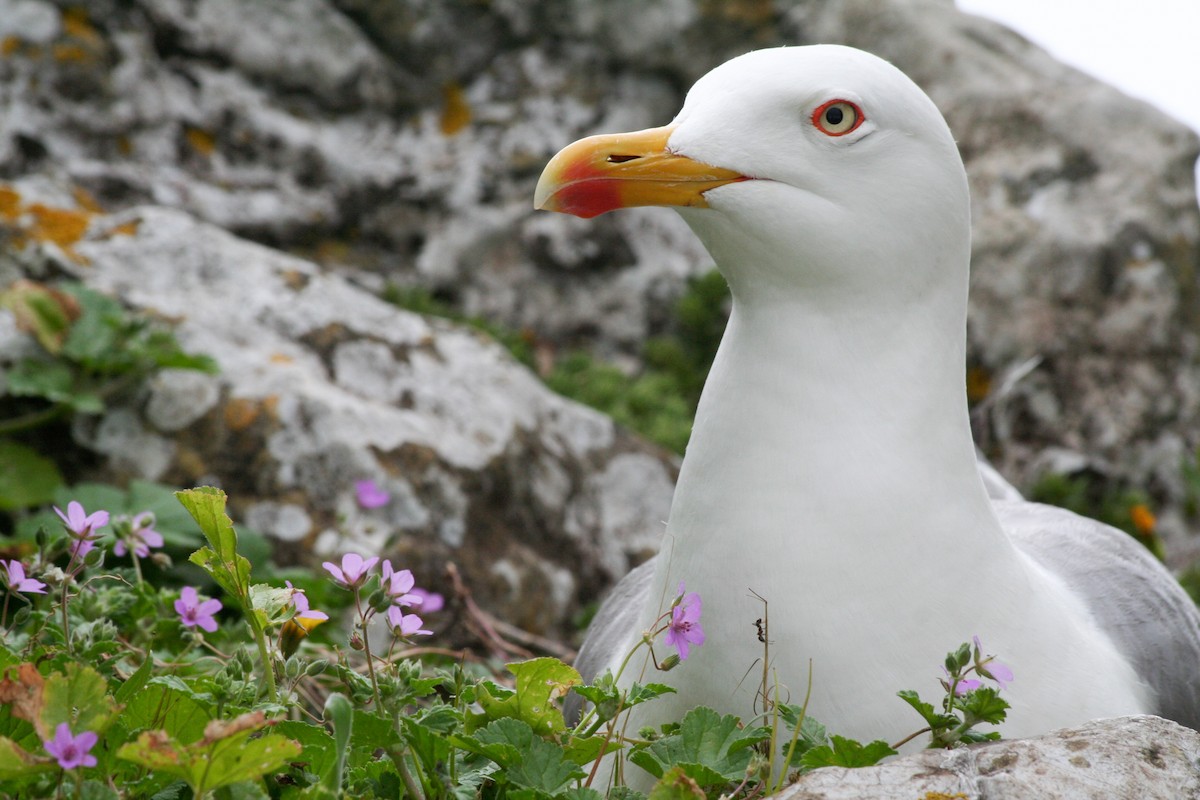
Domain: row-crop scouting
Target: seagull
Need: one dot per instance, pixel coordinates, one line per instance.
(831, 483)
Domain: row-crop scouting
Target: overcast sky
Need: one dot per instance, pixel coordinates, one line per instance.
(1149, 49)
(1146, 48)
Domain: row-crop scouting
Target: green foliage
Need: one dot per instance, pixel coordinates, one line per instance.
(91, 349)
(179, 712)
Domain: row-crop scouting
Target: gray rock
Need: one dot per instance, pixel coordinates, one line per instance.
(1142, 757)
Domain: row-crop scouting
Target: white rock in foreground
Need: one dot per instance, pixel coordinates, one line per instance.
(1127, 758)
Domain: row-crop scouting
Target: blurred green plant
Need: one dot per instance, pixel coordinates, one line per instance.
(89, 349)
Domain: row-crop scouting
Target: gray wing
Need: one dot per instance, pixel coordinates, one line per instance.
(613, 630)
(1132, 596)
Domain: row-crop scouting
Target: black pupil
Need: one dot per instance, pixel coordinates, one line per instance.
(834, 116)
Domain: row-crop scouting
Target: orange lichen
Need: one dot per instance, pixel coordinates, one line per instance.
(240, 413)
(201, 141)
(9, 45)
(1143, 519)
(281, 358)
(64, 227)
(456, 112)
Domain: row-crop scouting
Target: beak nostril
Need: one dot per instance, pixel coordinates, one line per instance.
(620, 159)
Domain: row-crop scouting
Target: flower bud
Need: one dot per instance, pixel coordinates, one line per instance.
(356, 642)
(669, 663)
(316, 667)
(94, 558)
(42, 537)
(292, 668)
(379, 600)
(22, 616)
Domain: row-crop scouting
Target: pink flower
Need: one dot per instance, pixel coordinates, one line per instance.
(353, 570)
(398, 585)
(82, 527)
(370, 495)
(991, 668)
(80, 524)
(142, 536)
(194, 613)
(17, 582)
(684, 629)
(303, 612)
(429, 602)
(71, 751)
(404, 625)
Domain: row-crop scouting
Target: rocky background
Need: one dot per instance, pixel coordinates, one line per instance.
(256, 172)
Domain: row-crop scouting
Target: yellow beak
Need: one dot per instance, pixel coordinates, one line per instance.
(603, 173)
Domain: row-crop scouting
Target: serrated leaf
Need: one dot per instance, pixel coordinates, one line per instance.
(707, 739)
(207, 506)
(135, 682)
(844, 752)
(230, 576)
(531, 762)
(933, 718)
(984, 705)
(79, 698)
(27, 478)
(584, 750)
(640, 693)
(157, 706)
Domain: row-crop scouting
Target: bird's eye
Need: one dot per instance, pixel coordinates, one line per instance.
(837, 117)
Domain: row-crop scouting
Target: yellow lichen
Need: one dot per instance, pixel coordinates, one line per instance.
(10, 202)
(979, 384)
(69, 53)
(201, 141)
(77, 25)
(456, 112)
(9, 45)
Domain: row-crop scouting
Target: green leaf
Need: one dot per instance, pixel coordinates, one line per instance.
(207, 506)
(228, 753)
(27, 478)
(847, 753)
(158, 706)
(540, 683)
(531, 762)
(272, 601)
(16, 762)
(584, 750)
(340, 714)
(708, 740)
(933, 718)
(984, 705)
(318, 748)
(79, 698)
(676, 784)
(812, 734)
(134, 683)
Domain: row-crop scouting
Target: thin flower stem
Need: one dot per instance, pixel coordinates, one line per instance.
(260, 638)
(4, 616)
(910, 737)
(367, 648)
(137, 566)
(63, 605)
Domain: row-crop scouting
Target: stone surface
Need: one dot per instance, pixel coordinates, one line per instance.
(359, 143)
(1144, 757)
